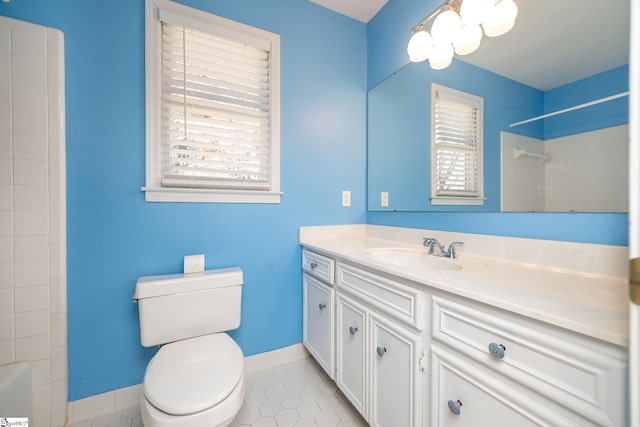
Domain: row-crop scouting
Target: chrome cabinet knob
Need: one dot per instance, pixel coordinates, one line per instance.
(322, 306)
(313, 265)
(497, 350)
(381, 351)
(353, 330)
(454, 406)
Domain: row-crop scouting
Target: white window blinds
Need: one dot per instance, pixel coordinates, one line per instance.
(215, 111)
(456, 145)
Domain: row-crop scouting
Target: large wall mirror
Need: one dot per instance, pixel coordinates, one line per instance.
(560, 55)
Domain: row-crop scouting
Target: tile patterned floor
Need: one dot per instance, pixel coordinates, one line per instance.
(296, 394)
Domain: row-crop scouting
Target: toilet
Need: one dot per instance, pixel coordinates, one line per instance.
(196, 379)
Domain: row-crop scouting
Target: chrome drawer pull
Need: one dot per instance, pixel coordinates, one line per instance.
(322, 306)
(381, 351)
(313, 265)
(353, 330)
(454, 406)
(497, 350)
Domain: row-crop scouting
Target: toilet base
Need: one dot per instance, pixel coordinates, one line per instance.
(219, 415)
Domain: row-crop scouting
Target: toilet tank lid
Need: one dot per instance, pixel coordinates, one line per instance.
(155, 286)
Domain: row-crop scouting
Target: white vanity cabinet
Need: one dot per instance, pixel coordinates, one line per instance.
(411, 352)
(490, 364)
(379, 346)
(319, 309)
(352, 342)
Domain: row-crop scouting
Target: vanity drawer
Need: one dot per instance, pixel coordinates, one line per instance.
(394, 298)
(319, 266)
(463, 395)
(579, 373)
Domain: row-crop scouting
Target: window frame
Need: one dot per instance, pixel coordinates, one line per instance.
(203, 21)
(475, 102)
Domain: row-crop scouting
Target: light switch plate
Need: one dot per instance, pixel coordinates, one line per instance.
(346, 198)
(384, 199)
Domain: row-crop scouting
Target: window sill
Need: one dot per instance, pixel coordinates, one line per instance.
(198, 195)
(457, 201)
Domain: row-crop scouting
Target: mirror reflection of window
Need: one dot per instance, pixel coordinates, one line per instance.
(456, 147)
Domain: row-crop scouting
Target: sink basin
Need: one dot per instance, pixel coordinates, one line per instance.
(408, 257)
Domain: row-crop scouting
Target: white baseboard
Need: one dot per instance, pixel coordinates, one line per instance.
(127, 397)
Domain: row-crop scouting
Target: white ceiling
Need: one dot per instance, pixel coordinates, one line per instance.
(361, 10)
(554, 42)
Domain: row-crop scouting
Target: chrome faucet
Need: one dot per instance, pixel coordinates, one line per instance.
(436, 249)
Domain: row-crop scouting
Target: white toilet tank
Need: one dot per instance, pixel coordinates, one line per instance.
(180, 306)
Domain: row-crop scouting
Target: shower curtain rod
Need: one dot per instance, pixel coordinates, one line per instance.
(566, 110)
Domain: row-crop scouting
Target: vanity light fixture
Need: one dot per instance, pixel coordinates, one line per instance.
(458, 27)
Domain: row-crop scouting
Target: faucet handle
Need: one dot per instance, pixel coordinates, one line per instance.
(452, 249)
(428, 241)
(435, 248)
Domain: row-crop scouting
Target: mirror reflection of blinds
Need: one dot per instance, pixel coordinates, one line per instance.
(456, 139)
(215, 111)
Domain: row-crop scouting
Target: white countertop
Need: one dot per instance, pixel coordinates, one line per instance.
(595, 305)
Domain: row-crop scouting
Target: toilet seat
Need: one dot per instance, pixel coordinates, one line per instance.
(193, 375)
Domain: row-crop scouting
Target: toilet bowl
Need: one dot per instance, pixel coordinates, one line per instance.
(197, 382)
(196, 379)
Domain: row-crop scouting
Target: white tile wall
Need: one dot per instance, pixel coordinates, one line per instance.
(31, 223)
(6, 223)
(41, 373)
(6, 327)
(33, 348)
(29, 146)
(7, 352)
(522, 178)
(6, 275)
(6, 171)
(5, 88)
(30, 172)
(31, 273)
(5, 119)
(31, 324)
(5, 40)
(6, 194)
(30, 197)
(5, 64)
(32, 213)
(6, 301)
(29, 121)
(587, 172)
(6, 144)
(30, 248)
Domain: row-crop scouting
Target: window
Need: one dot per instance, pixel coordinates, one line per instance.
(212, 108)
(456, 147)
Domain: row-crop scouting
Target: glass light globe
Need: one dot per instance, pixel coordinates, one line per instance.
(501, 19)
(441, 56)
(468, 39)
(419, 46)
(445, 27)
(474, 11)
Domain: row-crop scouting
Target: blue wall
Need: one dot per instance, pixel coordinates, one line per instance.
(387, 35)
(611, 113)
(114, 237)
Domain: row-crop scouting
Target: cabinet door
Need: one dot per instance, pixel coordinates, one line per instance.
(318, 322)
(465, 395)
(351, 338)
(396, 378)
